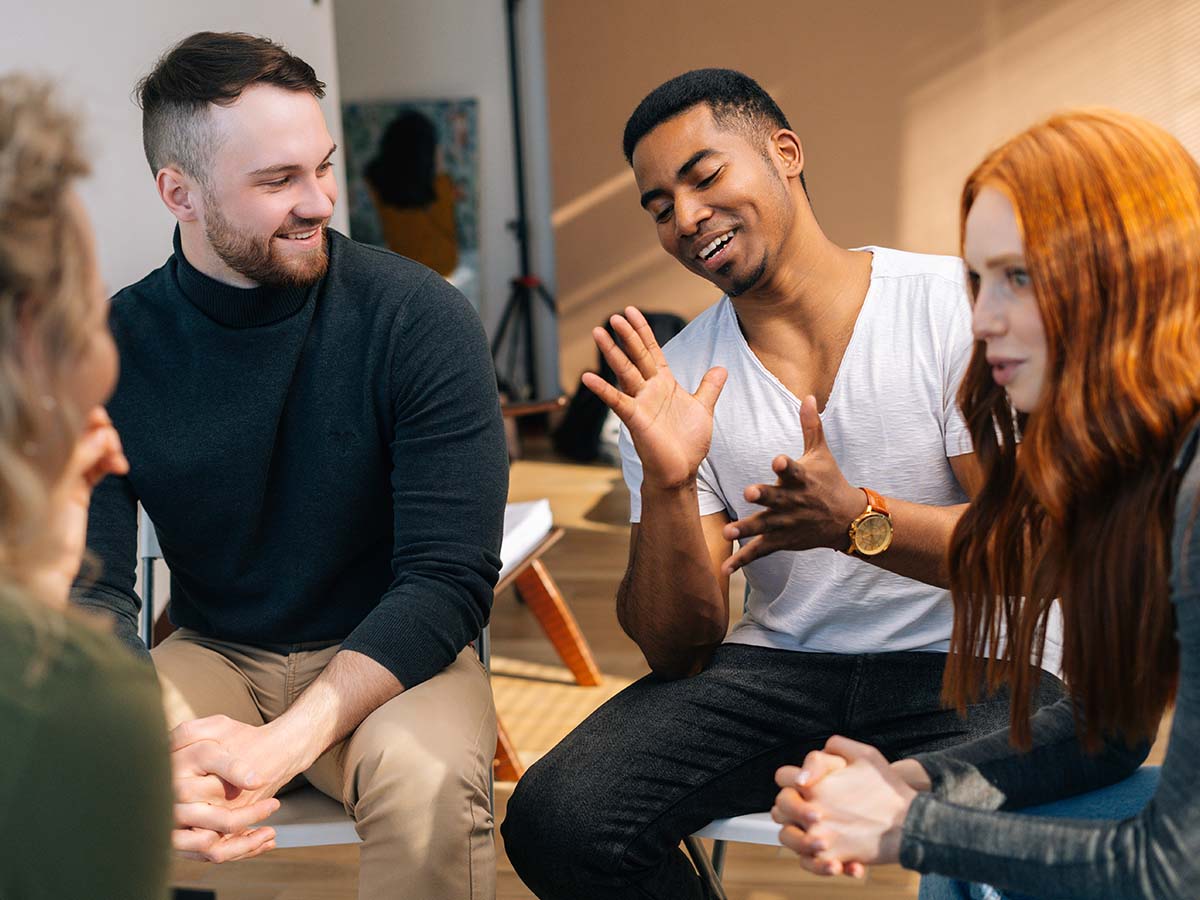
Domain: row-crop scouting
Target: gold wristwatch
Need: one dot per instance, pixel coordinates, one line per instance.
(871, 532)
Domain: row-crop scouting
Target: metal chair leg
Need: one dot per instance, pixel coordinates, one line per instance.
(148, 601)
(704, 867)
(485, 647)
(718, 858)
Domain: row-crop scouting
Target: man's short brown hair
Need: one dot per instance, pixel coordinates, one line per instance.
(209, 67)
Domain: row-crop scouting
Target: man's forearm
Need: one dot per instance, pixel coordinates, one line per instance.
(670, 602)
(921, 541)
(117, 614)
(350, 688)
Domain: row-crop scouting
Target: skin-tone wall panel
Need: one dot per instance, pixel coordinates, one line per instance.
(894, 104)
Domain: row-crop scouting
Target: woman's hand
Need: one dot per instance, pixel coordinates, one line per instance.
(97, 453)
(845, 807)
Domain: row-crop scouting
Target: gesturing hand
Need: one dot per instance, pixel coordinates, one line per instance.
(844, 809)
(671, 429)
(811, 505)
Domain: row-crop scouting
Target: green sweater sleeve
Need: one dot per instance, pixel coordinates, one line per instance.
(85, 792)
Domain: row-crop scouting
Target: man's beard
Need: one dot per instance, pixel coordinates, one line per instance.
(255, 256)
(741, 285)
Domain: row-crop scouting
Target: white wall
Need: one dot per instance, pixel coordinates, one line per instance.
(98, 50)
(430, 49)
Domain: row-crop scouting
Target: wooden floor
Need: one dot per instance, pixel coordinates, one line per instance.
(539, 704)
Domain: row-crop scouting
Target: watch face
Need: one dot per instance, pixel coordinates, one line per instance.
(873, 534)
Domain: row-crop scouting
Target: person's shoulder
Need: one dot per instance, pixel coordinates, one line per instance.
(364, 273)
(376, 267)
(47, 644)
(925, 290)
(931, 268)
(62, 666)
(696, 345)
(141, 295)
(1185, 572)
(1187, 463)
(85, 731)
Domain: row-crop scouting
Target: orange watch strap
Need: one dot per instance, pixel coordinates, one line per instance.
(875, 501)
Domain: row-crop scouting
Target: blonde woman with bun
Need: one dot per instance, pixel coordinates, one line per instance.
(85, 794)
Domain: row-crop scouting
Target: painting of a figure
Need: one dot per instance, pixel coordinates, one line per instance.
(411, 172)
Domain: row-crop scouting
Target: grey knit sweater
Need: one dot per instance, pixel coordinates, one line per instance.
(957, 831)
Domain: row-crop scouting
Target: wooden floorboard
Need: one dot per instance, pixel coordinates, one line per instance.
(539, 704)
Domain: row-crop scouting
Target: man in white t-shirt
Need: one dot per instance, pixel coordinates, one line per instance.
(847, 619)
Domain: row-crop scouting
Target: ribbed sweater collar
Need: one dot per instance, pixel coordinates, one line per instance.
(236, 307)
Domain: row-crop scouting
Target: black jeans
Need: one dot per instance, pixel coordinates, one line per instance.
(603, 813)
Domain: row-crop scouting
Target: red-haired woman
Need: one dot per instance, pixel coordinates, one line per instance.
(1082, 241)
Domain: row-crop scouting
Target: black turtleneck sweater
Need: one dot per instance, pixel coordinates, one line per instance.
(322, 464)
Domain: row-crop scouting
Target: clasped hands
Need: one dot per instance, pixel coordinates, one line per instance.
(845, 807)
(226, 774)
(811, 503)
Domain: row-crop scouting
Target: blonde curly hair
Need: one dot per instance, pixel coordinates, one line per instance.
(43, 304)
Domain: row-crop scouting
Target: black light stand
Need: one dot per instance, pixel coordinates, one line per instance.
(515, 330)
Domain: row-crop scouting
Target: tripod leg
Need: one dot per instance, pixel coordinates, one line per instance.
(518, 302)
(503, 326)
(506, 376)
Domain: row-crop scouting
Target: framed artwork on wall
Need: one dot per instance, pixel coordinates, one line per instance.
(412, 171)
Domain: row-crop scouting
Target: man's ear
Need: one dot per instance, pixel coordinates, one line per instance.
(788, 153)
(179, 192)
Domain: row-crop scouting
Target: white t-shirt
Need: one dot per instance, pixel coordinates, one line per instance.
(891, 422)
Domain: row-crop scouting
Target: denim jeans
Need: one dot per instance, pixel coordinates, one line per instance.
(1117, 801)
(600, 817)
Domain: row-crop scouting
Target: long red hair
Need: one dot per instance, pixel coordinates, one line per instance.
(1109, 211)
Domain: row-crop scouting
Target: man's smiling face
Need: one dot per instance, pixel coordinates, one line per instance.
(720, 206)
(271, 190)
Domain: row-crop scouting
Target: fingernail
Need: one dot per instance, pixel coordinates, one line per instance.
(803, 778)
(810, 819)
(819, 846)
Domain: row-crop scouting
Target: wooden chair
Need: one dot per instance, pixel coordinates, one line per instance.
(529, 531)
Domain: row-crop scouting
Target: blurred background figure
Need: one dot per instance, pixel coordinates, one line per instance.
(414, 199)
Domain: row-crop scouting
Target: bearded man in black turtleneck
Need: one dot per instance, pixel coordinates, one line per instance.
(313, 426)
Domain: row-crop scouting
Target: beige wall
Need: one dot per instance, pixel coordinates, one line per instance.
(895, 103)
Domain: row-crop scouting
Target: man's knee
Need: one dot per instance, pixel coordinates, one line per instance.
(398, 763)
(550, 822)
(527, 820)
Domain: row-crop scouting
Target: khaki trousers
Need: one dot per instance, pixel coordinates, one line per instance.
(414, 775)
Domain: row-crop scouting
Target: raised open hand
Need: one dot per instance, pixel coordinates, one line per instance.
(671, 429)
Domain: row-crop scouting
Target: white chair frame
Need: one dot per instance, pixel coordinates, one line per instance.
(755, 828)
